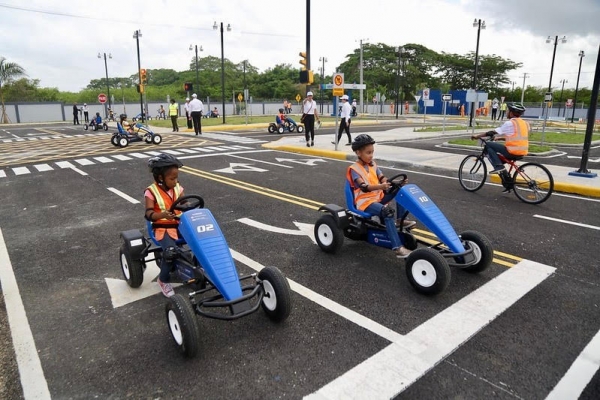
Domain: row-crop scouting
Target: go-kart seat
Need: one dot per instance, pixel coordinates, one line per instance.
(120, 129)
(278, 120)
(350, 202)
(178, 242)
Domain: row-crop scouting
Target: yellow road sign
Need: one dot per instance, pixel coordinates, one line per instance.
(338, 91)
(298, 97)
(240, 97)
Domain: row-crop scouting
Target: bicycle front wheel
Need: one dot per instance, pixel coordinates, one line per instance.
(472, 173)
(533, 183)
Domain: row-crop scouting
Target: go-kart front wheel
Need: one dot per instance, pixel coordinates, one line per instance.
(280, 130)
(157, 139)
(133, 271)
(300, 129)
(272, 128)
(123, 141)
(482, 249)
(328, 235)
(277, 299)
(148, 138)
(427, 271)
(183, 325)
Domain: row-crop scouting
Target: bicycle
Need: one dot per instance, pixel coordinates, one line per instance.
(531, 182)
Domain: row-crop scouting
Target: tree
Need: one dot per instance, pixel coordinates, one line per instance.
(8, 72)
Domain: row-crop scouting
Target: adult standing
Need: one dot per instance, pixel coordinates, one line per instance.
(345, 120)
(502, 110)
(86, 113)
(188, 116)
(196, 108)
(495, 109)
(75, 114)
(309, 113)
(174, 113)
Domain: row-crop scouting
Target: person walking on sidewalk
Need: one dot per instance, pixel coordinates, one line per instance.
(495, 109)
(345, 120)
(174, 113)
(196, 108)
(188, 115)
(515, 132)
(309, 113)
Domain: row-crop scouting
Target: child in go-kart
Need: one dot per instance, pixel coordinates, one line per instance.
(129, 127)
(369, 186)
(158, 198)
(280, 118)
(97, 120)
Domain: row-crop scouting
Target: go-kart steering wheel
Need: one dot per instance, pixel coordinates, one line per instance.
(395, 183)
(187, 203)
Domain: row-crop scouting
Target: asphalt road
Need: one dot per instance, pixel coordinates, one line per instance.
(61, 229)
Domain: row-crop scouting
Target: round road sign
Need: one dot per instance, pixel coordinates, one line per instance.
(102, 98)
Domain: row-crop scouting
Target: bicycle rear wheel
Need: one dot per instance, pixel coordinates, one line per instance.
(472, 173)
(533, 183)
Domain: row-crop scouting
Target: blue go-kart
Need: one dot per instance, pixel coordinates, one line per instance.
(141, 133)
(428, 267)
(93, 125)
(202, 261)
(288, 125)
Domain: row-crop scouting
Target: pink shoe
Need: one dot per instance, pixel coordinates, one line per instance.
(166, 288)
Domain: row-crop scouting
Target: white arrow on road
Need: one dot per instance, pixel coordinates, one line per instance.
(233, 167)
(589, 159)
(303, 229)
(311, 162)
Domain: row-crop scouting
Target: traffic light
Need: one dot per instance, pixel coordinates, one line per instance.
(306, 76)
(139, 88)
(188, 87)
(304, 60)
(143, 76)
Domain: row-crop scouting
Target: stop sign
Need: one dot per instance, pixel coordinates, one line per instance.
(102, 98)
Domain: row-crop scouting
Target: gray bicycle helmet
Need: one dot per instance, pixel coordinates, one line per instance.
(163, 160)
(517, 108)
(361, 141)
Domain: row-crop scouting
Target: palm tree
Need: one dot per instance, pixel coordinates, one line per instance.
(8, 71)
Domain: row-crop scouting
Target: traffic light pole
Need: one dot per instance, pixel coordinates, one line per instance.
(308, 40)
(137, 41)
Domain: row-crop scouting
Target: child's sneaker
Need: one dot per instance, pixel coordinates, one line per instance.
(166, 288)
(402, 252)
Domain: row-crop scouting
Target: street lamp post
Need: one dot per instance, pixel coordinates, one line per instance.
(323, 60)
(512, 93)
(581, 55)
(549, 40)
(137, 35)
(361, 75)
(479, 24)
(215, 27)
(106, 71)
(197, 80)
(563, 81)
(399, 50)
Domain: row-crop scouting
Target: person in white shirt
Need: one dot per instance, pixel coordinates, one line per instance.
(196, 108)
(86, 113)
(309, 113)
(345, 120)
(188, 116)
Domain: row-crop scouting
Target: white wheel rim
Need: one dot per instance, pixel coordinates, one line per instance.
(325, 235)
(125, 267)
(271, 301)
(476, 250)
(157, 140)
(423, 273)
(175, 328)
(123, 142)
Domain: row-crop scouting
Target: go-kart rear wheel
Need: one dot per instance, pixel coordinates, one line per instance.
(277, 299)
(183, 325)
(300, 129)
(272, 128)
(482, 249)
(133, 271)
(148, 138)
(104, 126)
(95, 127)
(123, 141)
(115, 140)
(328, 235)
(427, 271)
(157, 139)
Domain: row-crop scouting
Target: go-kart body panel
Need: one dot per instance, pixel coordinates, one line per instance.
(204, 237)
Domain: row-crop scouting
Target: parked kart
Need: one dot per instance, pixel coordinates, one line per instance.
(288, 125)
(203, 262)
(122, 138)
(94, 126)
(139, 117)
(427, 268)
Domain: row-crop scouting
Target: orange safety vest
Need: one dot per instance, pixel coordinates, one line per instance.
(163, 202)
(364, 199)
(518, 144)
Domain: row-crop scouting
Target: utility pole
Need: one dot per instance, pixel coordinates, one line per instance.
(525, 75)
(308, 40)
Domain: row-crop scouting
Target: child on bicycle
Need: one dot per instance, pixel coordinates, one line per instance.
(369, 186)
(515, 132)
(159, 197)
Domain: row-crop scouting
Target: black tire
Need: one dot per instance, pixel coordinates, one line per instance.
(472, 173)
(104, 126)
(157, 139)
(277, 301)
(427, 271)
(300, 129)
(272, 128)
(328, 235)
(533, 183)
(292, 128)
(183, 325)
(133, 271)
(410, 242)
(95, 127)
(115, 140)
(148, 139)
(482, 247)
(123, 141)
(85, 127)
(280, 130)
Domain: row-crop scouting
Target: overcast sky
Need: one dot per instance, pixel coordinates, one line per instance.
(57, 42)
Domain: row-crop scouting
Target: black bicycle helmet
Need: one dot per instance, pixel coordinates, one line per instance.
(361, 141)
(281, 110)
(517, 108)
(163, 160)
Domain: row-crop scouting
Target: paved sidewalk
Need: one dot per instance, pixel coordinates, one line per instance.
(563, 182)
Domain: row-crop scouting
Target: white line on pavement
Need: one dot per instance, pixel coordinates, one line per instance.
(123, 195)
(68, 165)
(395, 368)
(564, 221)
(32, 376)
(579, 375)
